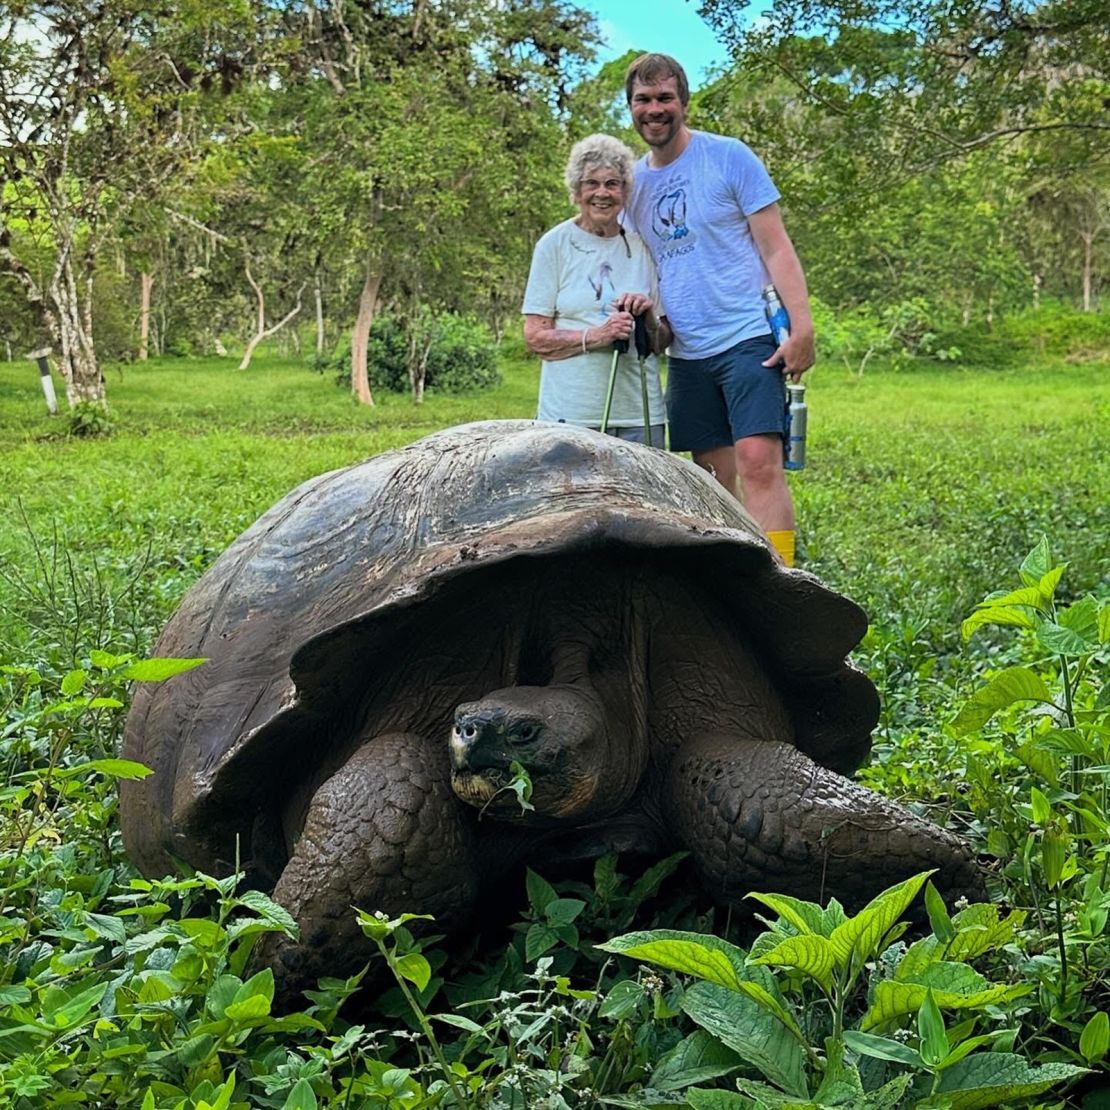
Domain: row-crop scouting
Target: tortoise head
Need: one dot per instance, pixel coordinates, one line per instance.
(558, 733)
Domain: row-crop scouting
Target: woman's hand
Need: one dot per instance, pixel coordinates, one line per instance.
(637, 304)
(618, 326)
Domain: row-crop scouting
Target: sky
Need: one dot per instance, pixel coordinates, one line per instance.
(666, 26)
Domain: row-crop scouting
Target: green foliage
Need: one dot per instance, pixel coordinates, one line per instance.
(1049, 828)
(457, 353)
(782, 1007)
(960, 472)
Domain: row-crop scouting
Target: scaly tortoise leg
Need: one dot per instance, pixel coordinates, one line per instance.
(383, 833)
(763, 816)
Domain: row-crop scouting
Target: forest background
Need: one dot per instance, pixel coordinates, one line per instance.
(175, 181)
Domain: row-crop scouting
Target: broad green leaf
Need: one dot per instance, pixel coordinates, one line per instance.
(1040, 760)
(1094, 1041)
(979, 930)
(881, 1048)
(989, 1079)
(1029, 596)
(939, 921)
(74, 682)
(1037, 563)
(266, 907)
(158, 670)
(415, 968)
(250, 1009)
(814, 956)
(64, 1007)
(114, 768)
(708, 1099)
(930, 1030)
(751, 1032)
(1104, 628)
(1041, 806)
(301, 1097)
(1081, 617)
(892, 999)
(540, 892)
(806, 917)
(1062, 641)
(697, 1058)
(1054, 852)
(700, 954)
(564, 910)
(998, 844)
(458, 1021)
(105, 660)
(758, 993)
(1007, 615)
(622, 1000)
(539, 939)
(1050, 580)
(859, 938)
(1011, 685)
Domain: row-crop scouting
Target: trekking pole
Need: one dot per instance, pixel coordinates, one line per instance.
(643, 349)
(619, 347)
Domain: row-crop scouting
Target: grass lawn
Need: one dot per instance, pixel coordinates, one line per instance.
(922, 486)
(925, 489)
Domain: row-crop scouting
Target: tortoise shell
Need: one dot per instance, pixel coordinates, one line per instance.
(340, 585)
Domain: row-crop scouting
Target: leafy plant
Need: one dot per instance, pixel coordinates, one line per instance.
(1053, 713)
(784, 1007)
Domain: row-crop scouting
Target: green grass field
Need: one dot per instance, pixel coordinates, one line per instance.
(926, 487)
(921, 484)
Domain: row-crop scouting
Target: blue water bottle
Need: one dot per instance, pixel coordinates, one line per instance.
(796, 412)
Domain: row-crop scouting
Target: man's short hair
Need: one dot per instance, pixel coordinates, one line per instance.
(649, 69)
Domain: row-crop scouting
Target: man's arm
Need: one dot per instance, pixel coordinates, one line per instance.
(782, 263)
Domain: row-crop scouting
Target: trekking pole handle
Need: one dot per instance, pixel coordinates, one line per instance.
(643, 340)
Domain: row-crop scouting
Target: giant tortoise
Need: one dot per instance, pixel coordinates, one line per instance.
(389, 639)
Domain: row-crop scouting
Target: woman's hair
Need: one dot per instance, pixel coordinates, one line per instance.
(598, 152)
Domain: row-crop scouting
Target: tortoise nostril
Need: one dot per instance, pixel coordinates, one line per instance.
(469, 731)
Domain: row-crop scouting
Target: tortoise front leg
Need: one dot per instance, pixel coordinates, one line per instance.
(383, 833)
(762, 816)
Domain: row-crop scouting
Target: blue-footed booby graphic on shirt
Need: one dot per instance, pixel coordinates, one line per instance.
(668, 216)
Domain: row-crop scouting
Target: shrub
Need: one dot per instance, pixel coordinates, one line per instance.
(462, 354)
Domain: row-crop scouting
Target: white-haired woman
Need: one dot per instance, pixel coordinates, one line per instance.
(589, 280)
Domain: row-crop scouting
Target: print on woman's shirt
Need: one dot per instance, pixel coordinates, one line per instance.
(605, 292)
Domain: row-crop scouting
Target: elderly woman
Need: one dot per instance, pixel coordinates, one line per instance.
(589, 280)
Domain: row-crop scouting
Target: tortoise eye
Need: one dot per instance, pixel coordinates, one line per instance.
(525, 734)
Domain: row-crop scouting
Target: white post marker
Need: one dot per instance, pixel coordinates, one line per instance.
(41, 356)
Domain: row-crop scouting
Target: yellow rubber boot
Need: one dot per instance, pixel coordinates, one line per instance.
(784, 545)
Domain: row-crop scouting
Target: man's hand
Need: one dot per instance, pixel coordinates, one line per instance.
(795, 356)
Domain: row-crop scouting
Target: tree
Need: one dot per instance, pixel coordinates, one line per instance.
(938, 78)
(101, 103)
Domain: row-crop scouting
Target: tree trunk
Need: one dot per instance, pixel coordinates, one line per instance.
(360, 336)
(319, 315)
(1037, 290)
(1088, 254)
(262, 332)
(60, 309)
(145, 282)
(73, 334)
